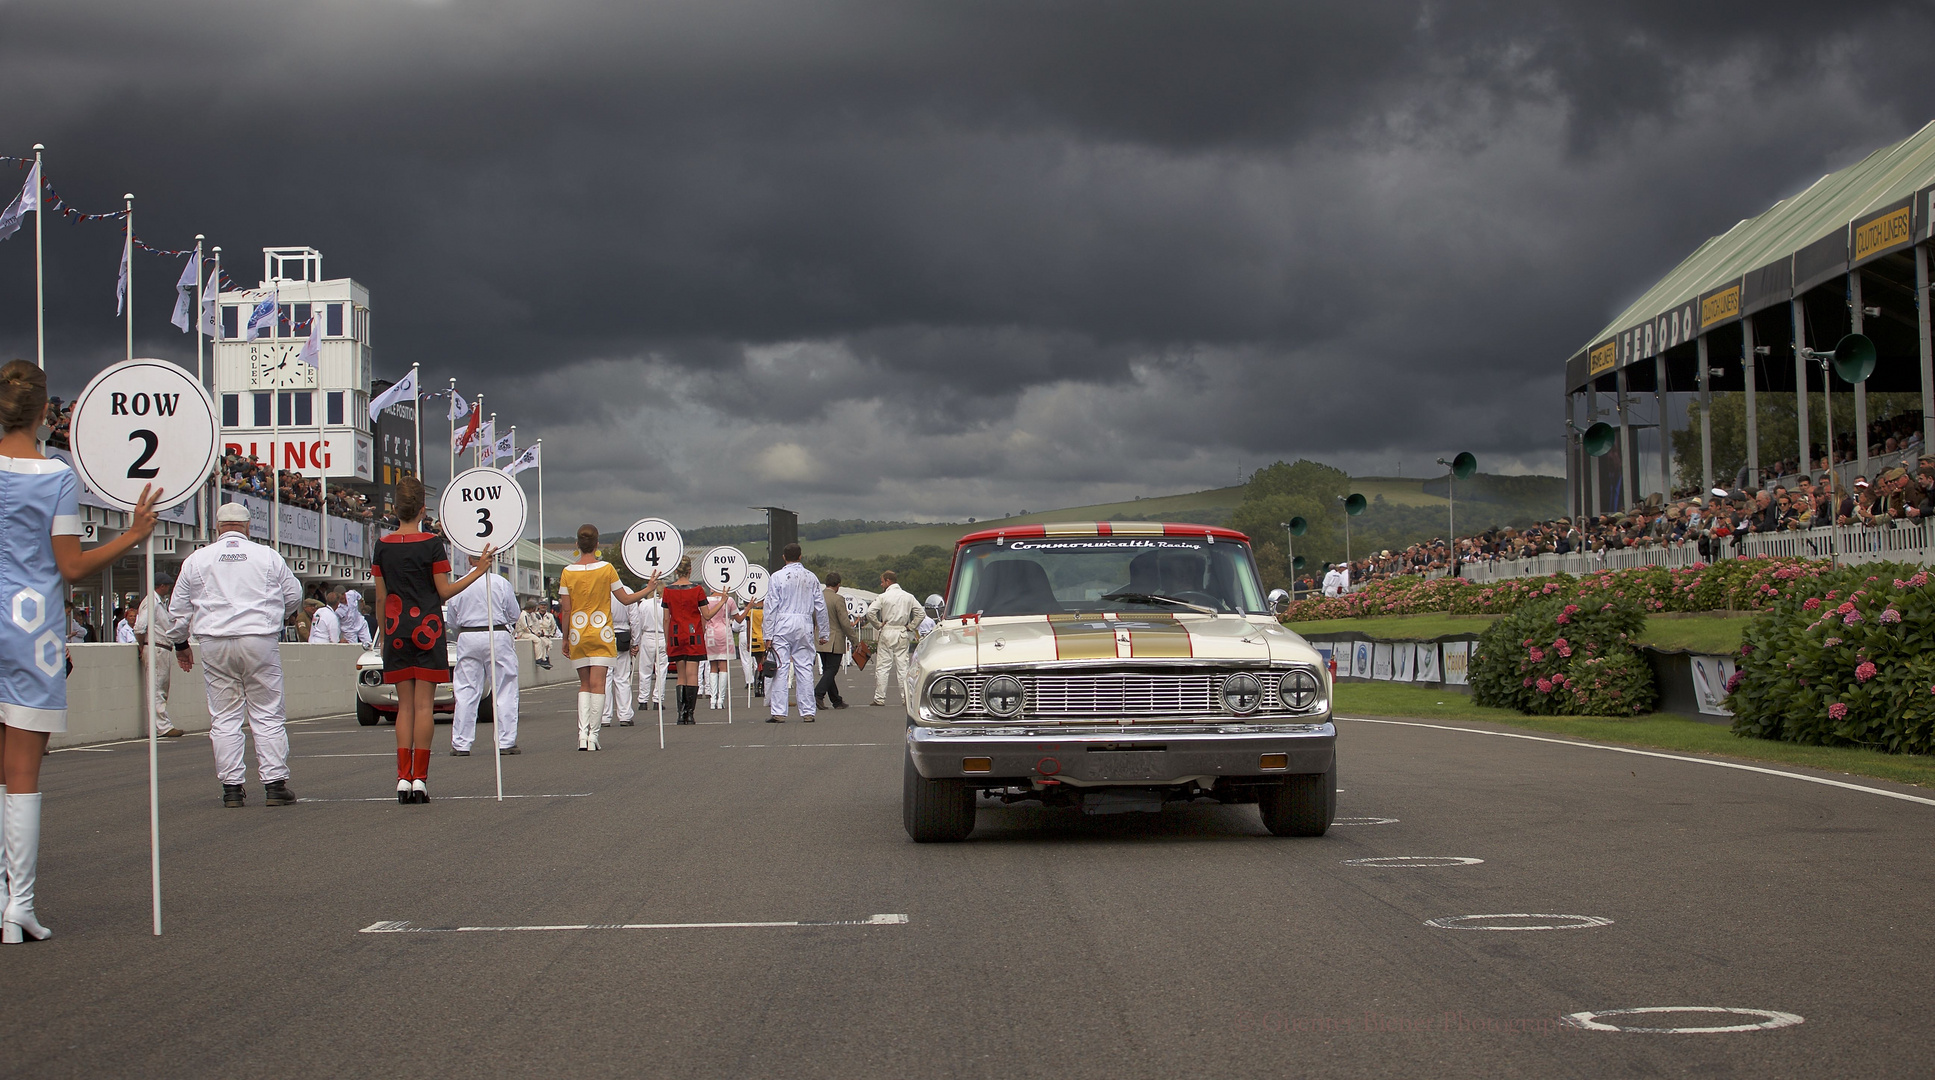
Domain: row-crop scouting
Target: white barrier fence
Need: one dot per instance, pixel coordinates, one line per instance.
(1850, 544)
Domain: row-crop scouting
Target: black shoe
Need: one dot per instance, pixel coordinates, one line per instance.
(775, 720)
(232, 795)
(460, 753)
(624, 723)
(419, 793)
(839, 704)
(759, 692)
(277, 793)
(819, 703)
(512, 749)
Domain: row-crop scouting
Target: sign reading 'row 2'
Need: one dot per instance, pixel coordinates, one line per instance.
(144, 423)
(482, 508)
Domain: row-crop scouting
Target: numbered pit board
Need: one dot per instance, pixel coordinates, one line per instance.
(482, 507)
(724, 569)
(652, 548)
(142, 423)
(753, 589)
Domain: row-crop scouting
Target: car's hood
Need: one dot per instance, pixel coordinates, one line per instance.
(1155, 637)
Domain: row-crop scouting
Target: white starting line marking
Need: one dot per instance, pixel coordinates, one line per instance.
(783, 745)
(1475, 922)
(1656, 754)
(1770, 1019)
(1365, 821)
(447, 798)
(406, 928)
(1401, 861)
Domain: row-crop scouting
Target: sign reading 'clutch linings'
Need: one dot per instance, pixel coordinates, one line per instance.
(1885, 231)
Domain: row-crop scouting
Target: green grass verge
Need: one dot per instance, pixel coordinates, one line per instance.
(1658, 731)
(1714, 632)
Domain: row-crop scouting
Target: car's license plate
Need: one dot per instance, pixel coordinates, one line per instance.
(1130, 765)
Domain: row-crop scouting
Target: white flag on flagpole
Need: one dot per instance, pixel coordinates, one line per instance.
(121, 285)
(185, 292)
(264, 312)
(28, 199)
(211, 306)
(406, 387)
(487, 442)
(526, 460)
(311, 352)
(506, 447)
(459, 408)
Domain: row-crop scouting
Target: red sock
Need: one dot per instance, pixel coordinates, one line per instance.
(402, 763)
(422, 763)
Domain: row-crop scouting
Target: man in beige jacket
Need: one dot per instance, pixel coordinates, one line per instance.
(833, 648)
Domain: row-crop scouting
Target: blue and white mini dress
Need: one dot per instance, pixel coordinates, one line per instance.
(39, 500)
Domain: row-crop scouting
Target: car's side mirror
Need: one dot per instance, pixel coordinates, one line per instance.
(934, 604)
(1279, 601)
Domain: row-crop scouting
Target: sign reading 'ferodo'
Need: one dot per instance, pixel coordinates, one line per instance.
(482, 508)
(144, 423)
(652, 548)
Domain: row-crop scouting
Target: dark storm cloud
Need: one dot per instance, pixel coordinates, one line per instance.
(896, 259)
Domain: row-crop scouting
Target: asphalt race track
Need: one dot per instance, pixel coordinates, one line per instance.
(1189, 943)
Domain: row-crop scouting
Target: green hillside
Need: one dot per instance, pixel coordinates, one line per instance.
(1203, 507)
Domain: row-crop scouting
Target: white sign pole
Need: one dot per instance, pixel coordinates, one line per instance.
(751, 592)
(490, 681)
(725, 571)
(141, 425)
(154, 742)
(651, 549)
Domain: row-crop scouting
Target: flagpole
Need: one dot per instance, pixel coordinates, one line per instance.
(451, 412)
(416, 410)
(476, 455)
(493, 442)
(40, 288)
(128, 259)
(322, 437)
(215, 381)
(544, 590)
(514, 559)
(201, 374)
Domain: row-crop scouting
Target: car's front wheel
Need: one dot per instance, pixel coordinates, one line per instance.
(367, 715)
(1301, 805)
(936, 811)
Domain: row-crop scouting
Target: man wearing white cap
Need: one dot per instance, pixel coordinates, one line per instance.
(231, 599)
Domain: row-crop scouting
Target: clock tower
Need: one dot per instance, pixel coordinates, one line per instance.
(274, 406)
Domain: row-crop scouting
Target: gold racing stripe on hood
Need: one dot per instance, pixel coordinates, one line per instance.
(1107, 637)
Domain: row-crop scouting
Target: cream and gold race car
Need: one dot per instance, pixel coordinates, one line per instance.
(1115, 667)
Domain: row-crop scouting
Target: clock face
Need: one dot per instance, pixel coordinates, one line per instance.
(278, 365)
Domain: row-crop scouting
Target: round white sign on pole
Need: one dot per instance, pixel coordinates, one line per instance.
(482, 507)
(652, 548)
(753, 589)
(724, 569)
(144, 423)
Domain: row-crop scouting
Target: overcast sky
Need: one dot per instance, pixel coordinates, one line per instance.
(937, 260)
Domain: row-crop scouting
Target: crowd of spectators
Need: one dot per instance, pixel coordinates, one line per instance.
(250, 477)
(1900, 495)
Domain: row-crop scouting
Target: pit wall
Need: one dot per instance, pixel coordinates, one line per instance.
(104, 690)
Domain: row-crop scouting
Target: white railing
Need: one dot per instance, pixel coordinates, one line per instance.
(1851, 544)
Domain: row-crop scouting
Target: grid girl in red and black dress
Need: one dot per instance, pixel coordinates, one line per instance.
(412, 571)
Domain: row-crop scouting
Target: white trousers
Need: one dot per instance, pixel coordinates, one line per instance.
(651, 669)
(893, 653)
(618, 687)
(163, 659)
(795, 656)
(475, 661)
(244, 676)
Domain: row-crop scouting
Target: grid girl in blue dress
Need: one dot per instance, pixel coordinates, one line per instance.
(40, 545)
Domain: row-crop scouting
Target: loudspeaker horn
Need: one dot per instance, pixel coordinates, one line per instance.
(1599, 439)
(1297, 563)
(1298, 526)
(1464, 465)
(1355, 504)
(1854, 358)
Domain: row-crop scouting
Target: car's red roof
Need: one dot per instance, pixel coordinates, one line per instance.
(1104, 528)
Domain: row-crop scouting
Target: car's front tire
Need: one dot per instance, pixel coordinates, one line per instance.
(367, 715)
(935, 811)
(1301, 805)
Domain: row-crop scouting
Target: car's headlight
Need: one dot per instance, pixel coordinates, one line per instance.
(947, 697)
(1298, 690)
(372, 677)
(1242, 693)
(1002, 695)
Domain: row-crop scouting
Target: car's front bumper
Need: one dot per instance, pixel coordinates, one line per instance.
(1149, 756)
(381, 696)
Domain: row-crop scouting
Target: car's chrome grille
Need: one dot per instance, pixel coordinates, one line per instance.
(1118, 694)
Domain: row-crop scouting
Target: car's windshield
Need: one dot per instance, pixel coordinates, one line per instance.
(1100, 574)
